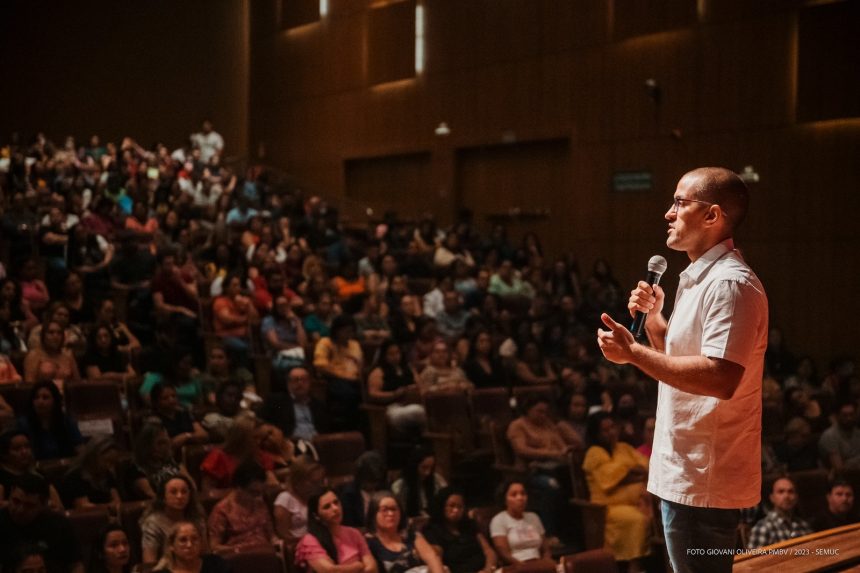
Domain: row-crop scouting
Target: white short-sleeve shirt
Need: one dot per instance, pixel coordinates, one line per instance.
(298, 513)
(707, 451)
(525, 536)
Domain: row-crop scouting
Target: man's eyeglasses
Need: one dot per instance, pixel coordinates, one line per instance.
(678, 200)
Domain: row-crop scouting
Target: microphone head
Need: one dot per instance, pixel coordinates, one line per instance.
(657, 265)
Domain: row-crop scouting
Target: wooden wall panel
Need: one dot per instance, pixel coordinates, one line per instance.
(400, 183)
(829, 54)
(642, 17)
(391, 42)
(295, 13)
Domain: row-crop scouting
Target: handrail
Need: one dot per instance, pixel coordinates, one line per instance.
(829, 550)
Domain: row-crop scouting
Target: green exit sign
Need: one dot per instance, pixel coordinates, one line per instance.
(624, 181)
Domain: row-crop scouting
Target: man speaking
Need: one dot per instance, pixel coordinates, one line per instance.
(709, 358)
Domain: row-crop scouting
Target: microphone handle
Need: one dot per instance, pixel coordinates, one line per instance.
(638, 325)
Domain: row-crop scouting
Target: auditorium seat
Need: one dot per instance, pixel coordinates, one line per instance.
(91, 402)
(87, 524)
(130, 513)
(16, 395)
(523, 393)
(592, 561)
(257, 560)
(338, 453)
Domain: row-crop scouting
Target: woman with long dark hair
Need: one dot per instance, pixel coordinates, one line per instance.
(328, 546)
(16, 459)
(419, 484)
(103, 360)
(111, 552)
(482, 366)
(52, 433)
(456, 536)
(390, 383)
(91, 479)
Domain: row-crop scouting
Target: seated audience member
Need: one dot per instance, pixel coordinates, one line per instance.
(8, 373)
(799, 403)
(572, 424)
(450, 251)
(339, 360)
(228, 401)
(18, 308)
(393, 547)
(52, 433)
(239, 446)
(440, 375)
(153, 461)
(27, 520)
(29, 559)
(390, 383)
(284, 335)
(329, 546)
(840, 443)
(797, 451)
(282, 451)
(371, 327)
(185, 551)
(177, 371)
(34, 292)
(104, 360)
(370, 476)
(840, 507)
(51, 350)
(483, 367)
(175, 297)
(111, 552)
(647, 437)
(291, 506)
(532, 367)
(74, 341)
(127, 342)
(506, 283)
(518, 535)
(456, 537)
(296, 412)
(233, 315)
(219, 369)
(616, 476)
(419, 483)
(241, 521)
(318, 323)
(180, 424)
(175, 503)
(451, 322)
(781, 523)
(16, 460)
(627, 419)
(91, 479)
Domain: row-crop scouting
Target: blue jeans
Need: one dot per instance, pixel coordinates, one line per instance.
(700, 539)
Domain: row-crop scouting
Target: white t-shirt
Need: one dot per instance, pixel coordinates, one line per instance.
(525, 536)
(707, 451)
(209, 144)
(298, 513)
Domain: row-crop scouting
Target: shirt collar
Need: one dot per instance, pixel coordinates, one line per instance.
(696, 269)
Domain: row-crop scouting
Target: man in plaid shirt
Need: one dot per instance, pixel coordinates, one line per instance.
(780, 523)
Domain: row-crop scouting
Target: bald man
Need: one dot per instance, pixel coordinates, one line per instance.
(709, 359)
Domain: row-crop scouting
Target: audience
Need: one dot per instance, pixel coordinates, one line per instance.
(185, 551)
(393, 546)
(111, 552)
(616, 476)
(241, 521)
(371, 476)
(840, 507)
(133, 241)
(16, 460)
(781, 523)
(27, 520)
(291, 506)
(91, 480)
(419, 483)
(518, 535)
(328, 546)
(175, 503)
(455, 536)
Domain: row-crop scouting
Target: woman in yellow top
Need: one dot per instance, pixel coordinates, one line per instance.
(338, 358)
(616, 475)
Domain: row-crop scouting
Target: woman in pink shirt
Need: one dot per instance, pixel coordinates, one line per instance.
(330, 547)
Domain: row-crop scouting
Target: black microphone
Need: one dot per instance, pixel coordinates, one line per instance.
(656, 267)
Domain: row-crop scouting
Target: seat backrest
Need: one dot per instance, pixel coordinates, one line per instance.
(192, 456)
(502, 452)
(449, 413)
(522, 393)
(16, 395)
(339, 451)
(130, 513)
(483, 515)
(811, 488)
(257, 560)
(87, 400)
(87, 524)
(493, 404)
